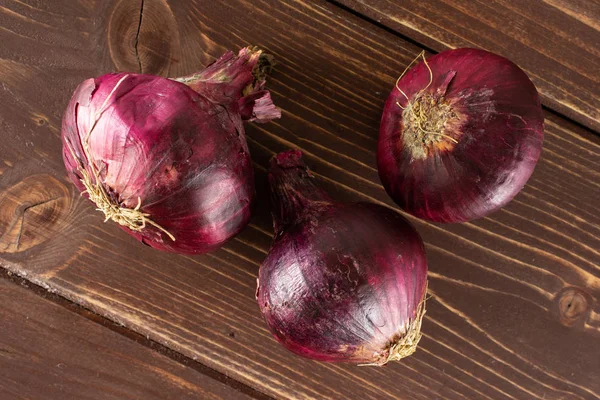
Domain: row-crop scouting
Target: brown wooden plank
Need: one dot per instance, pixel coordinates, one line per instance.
(555, 41)
(48, 352)
(494, 328)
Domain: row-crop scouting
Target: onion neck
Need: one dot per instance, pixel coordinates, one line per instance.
(294, 191)
(231, 76)
(238, 79)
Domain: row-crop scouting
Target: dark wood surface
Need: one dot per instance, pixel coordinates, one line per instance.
(48, 352)
(514, 310)
(555, 41)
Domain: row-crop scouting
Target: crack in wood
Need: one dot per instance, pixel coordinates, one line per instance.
(137, 37)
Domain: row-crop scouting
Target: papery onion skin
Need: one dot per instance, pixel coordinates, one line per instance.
(343, 282)
(177, 150)
(493, 127)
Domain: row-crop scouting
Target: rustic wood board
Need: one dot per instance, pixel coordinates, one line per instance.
(48, 352)
(515, 310)
(555, 41)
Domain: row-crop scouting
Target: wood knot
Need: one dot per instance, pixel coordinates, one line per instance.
(572, 305)
(143, 36)
(31, 212)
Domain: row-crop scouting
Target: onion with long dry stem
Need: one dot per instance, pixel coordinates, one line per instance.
(167, 159)
(460, 136)
(343, 282)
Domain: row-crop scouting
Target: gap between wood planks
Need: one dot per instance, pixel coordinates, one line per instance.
(432, 51)
(136, 337)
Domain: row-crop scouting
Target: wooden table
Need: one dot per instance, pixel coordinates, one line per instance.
(86, 312)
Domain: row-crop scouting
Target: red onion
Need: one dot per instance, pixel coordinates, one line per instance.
(168, 159)
(460, 136)
(343, 282)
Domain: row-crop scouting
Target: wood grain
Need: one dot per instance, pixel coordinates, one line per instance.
(514, 313)
(555, 41)
(48, 352)
(33, 210)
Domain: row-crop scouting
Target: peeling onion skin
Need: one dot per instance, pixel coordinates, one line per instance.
(494, 114)
(177, 149)
(341, 280)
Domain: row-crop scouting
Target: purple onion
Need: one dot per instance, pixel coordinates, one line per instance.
(460, 136)
(168, 159)
(343, 282)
